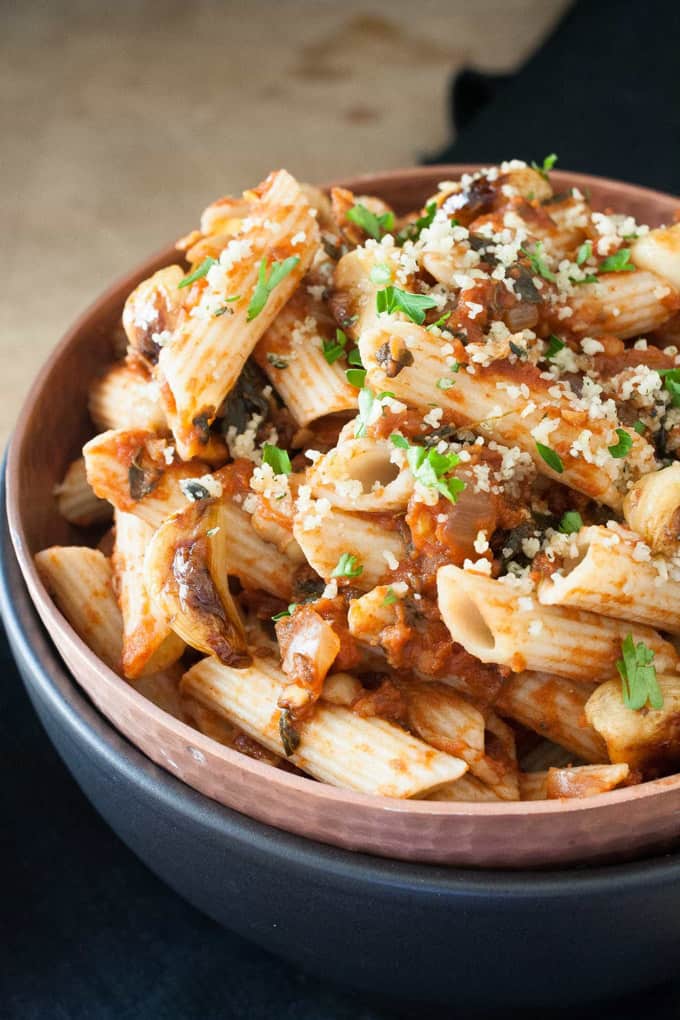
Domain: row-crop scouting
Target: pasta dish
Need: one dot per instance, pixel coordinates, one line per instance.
(394, 500)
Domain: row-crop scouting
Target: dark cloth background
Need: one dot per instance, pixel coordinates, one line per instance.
(87, 931)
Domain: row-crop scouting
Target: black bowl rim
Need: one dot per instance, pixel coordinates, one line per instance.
(74, 713)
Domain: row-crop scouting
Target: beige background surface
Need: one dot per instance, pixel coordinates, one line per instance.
(120, 121)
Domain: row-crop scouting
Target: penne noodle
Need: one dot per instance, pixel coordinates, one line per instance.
(467, 788)
(151, 312)
(163, 690)
(149, 644)
(609, 575)
(491, 402)
(625, 304)
(81, 581)
(77, 502)
(360, 474)
(325, 537)
(533, 785)
(585, 780)
(124, 398)
(652, 509)
(659, 252)
(336, 746)
(291, 354)
(202, 360)
(491, 621)
(554, 708)
(647, 740)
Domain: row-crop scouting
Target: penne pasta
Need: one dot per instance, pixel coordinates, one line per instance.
(585, 780)
(652, 509)
(659, 252)
(612, 572)
(625, 304)
(361, 474)
(366, 755)
(647, 740)
(467, 788)
(125, 398)
(76, 501)
(495, 624)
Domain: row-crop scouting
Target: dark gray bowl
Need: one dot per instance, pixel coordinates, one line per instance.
(410, 932)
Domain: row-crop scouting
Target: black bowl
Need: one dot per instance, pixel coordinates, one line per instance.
(403, 931)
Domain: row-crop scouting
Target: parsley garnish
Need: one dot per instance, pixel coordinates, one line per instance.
(588, 278)
(552, 459)
(356, 377)
(276, 361)
(374, 226)
(623, 447)
(671, 380)
(390, 597)
(411, 232)
(538, 261)
(555, 345)
(367, 402)
(394, 299)
(430, 468)
(571, 522)
(640, 427)
(638, 675)
(354, 358)
(547, 165)
(381, 273)
(584, 252)
(347, 566)
(198, 274)
(445, 384)
(440, 322)
(618, 263)
(285, 612)
(277, 459)
(266, 284)
(334, 349)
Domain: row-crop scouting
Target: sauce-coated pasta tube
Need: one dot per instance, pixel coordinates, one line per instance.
(625, 304)
(125, 398)
(336, 746)
(610, 576)
(76, 501)
(648, 740)
(659, 252)
(496, 625)
(360, 474)
(652, 509)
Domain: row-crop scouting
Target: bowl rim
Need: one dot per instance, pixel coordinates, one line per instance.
(296, 785)
(112, 750)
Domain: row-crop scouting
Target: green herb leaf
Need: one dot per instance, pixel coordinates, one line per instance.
(381, 273)
(198, 273)
(347, 566)
(638, 675)
(277, 459)
(546, 166)
(441, 321)
(538, 261)
(588, 278)
(374, 226)
(334, 349)
(618, 263)
(552, 459)
(390, 597)
(276, 361)
(571, 522)
(354, 358)
(394, 299)
(671, 380)
(555, 345)
(584, 252)
(623, 447)
(640, 427)
(445, 384)
(356, 377)
(431, 468)
(411, 232)
(266, 283)
(285, 612)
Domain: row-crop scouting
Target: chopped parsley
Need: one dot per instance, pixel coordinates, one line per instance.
(411, 232)
(277, 459)
(394, 299)
(538, 261)
(334, 349)
(431, 468)
(441, 321)
(623, 447)
(555, 345)
(571, 522)
(198, 273)
(266, 283)
(671, 380)
(356, 377)
(618, 263)
(276, 361)
(551, 457)
(354, 358)
(381, 273)
(546, 166)
(374, 226)
(638, 675)
(347, 566)
(390, 597)
(640, 427)
(367, 405)
(285, 612)
(588, 278)
(584, 252)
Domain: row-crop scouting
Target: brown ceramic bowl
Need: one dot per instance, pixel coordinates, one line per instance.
(50, 431)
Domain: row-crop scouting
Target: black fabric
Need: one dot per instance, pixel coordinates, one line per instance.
(88, 932)
(603, 93)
